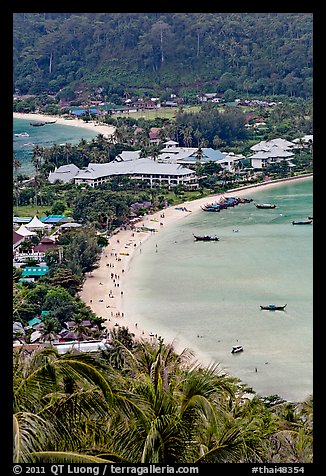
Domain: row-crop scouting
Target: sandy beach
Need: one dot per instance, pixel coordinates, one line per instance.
(104, 289)
(99, 128)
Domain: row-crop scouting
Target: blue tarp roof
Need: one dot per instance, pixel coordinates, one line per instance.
(35, 270)
(52, 218)
(79, 112)
(22, 219)
(35, 320)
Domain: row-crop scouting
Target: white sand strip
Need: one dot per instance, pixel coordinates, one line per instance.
(100, 128)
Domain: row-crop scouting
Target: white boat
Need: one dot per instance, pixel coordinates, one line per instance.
(236, 349)
(22, 134)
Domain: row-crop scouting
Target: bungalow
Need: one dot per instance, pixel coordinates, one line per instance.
(273, 143)
(154, 135)
(170, 104)
(45, 244)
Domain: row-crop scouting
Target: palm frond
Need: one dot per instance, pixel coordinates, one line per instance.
(65, 457)
(30, 433)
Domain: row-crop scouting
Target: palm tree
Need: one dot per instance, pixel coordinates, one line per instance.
(51, 327)
(173, 405)
(160, 407)
(199, 155)
(16, 192)
(68, 151)
(17, 164)
(154, 151)
(37, 157)
(187, 135)
(53, 398)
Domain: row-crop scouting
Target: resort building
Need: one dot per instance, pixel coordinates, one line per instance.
(305, 141)
(64, 174)
(172, 153)
(271, 152)
(188, 156)
(126, 155)
(145, 170)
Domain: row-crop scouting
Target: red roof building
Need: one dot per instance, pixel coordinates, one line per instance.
(45, 244)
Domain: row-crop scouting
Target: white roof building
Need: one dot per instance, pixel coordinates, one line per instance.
(230, 161)
(187, 155)
(36, 224)
(22, 230)
(64, 174)
(304, 141)
(145, 169)
(271, 152)
(128, 155)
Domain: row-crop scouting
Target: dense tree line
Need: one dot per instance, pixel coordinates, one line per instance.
(260, 53)
(210, 127)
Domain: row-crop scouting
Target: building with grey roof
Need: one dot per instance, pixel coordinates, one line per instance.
(278, 143)
(145, 170)
(64, 174)
(128, 155)
(271, 152)
(187, 156)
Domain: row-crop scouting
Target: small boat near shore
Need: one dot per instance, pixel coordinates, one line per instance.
(22, 134)
(211, 208)
(265, 205)
(303, 222)
(273, 307)
(245, 200)
(37, 124)
(236, 349)
(206, 238)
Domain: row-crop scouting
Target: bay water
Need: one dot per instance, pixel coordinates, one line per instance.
(207, 295)
(45, 136)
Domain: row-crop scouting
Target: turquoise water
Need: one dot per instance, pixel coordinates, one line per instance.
(207, 295)
(45, 136)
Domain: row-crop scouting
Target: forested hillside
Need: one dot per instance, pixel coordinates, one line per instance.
(258, 53)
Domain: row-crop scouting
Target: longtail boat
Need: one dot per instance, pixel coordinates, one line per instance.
(305, 222)
(265, 205)
(273, 307)
(206, 238)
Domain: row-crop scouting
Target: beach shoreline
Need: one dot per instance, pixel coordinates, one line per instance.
(100, 128)
(104, 289)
